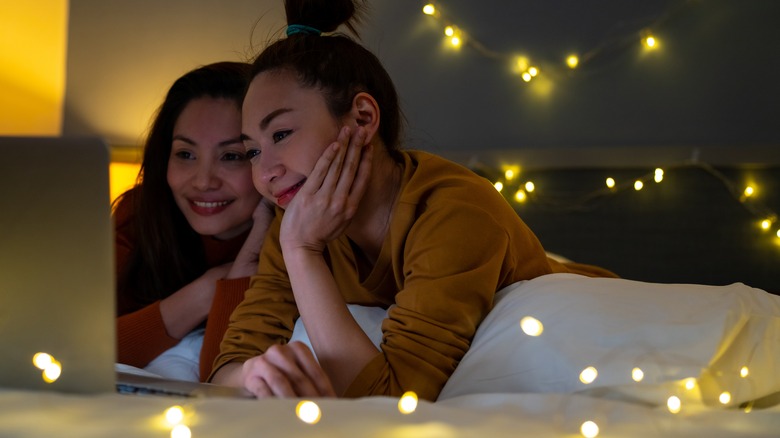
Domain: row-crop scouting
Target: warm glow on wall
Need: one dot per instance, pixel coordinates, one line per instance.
(33, 53)
(122, 176)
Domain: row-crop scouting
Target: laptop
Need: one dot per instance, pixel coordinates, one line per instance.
(57, 285)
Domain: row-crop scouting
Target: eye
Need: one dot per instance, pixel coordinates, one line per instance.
(251, 153)
(280, 135)
(184, 155)
(233, 156)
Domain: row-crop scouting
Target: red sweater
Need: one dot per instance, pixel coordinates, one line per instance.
(141, 334)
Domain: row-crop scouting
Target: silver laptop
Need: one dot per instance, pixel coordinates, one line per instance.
(57, 286)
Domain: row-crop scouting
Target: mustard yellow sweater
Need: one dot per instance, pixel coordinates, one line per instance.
(453, 242)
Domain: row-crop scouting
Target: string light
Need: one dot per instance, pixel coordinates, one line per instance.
(589, 429)
(674, 404)
(530, 186)
(407, 403)
(658, 175)
(588, 375)
(308, 412)
(637, 374)
(51, 368)
(181, 431)
(638, 185)
(520, 196)
(611, 183)
(174, 415)
(499, 186)
(572, 61)
(690, 383)
(725, 397)
(744, 371)
(531, 326)
(749, 191)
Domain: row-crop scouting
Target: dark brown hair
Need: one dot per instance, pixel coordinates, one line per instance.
(335, 64)
(169, 253)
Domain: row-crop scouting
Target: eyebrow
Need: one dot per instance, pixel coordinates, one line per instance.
(223, 143)
(267, 119)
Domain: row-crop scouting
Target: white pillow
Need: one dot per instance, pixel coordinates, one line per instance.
(368, 318)
(670, 332)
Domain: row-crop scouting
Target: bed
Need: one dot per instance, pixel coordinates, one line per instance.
(686, 343)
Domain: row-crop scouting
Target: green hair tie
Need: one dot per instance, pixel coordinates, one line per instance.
(302, 28)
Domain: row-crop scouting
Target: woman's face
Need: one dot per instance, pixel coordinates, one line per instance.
(208, 172)
(286, 128)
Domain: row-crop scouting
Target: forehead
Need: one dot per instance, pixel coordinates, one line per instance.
(269, 91)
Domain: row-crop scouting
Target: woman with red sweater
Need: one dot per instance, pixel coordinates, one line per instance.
(188, 234)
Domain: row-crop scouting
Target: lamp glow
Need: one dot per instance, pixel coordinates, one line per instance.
(650, 42)
(509, 174)
(744, 372)
(308, 412)
(42, 360)
(659, 175)
(725, 397)
(407, 403)
(527, 76)
(638, 185)
(449, 31)
(765, 224)
(429, 9)
(499, 186)
(749, 191)
(589, 429)
(533, 71)
(572, 61)
(690, 383)
(531, 326)
(611, 183)
(674, 404)
(520, 196)
(52, 372)
(530, 187)
(455, 41)
(588, 375)
(637, 374)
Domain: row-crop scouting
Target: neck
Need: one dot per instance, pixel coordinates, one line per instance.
(372, 220)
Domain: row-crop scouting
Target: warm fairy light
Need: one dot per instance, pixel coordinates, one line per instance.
(778, 233)
(589, 429)
(637, 374)
(638, 185)
(611, 183)
(174, 415)
(455, 41)
(650, 42)
(572, 61)
(725, 397)
(308, 412)
(749, 191)
(449, 31)
(659, 175)
(533, 71)
(50, 367)
(407, 403)
(429, 9)
(529, 187)
(527, 76)
(499, 186)
(520, 196)
(765, 224)
(674, 404)
(588, 375)
(690, 383)
(52, 372)
(531, 326)
(522, 63)
(181, 431)
(509, 174)
(744, 372)
(42, 360)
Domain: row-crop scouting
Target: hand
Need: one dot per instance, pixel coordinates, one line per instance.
(329, 199)
(288, 370)
(183, 310)
(245, 264)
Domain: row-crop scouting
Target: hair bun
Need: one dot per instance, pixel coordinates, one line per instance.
(323, 15)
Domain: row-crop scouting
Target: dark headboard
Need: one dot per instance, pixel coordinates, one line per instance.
(695, 226)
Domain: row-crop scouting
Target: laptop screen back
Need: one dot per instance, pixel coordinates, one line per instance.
(56, 263)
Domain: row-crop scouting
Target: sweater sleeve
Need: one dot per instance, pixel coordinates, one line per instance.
(229, 294)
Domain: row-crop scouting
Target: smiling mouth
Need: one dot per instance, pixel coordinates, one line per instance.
(282, 199)
(203, 204)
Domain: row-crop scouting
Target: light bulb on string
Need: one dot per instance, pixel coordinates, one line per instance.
(429, 9)
(572, 61)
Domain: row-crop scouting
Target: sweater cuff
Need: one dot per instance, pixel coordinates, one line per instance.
(229, 294)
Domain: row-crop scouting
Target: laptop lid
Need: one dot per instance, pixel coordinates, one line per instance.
(56, 263)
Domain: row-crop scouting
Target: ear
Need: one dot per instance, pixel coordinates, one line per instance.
(365, 112)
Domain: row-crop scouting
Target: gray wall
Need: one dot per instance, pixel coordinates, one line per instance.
(713, 83)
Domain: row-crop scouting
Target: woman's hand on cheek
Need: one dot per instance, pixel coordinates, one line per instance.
(286, 371)
(327, 202)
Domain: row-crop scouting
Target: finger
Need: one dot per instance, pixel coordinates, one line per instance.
(312, 368)
(352, 161)
(285, 359)
(264, 378)
(319, 172)
(334, 172)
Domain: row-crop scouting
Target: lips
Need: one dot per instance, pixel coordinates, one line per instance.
(284, 198)
(208, 208)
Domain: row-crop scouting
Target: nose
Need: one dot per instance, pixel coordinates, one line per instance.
(205, 177)
(268, 168)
